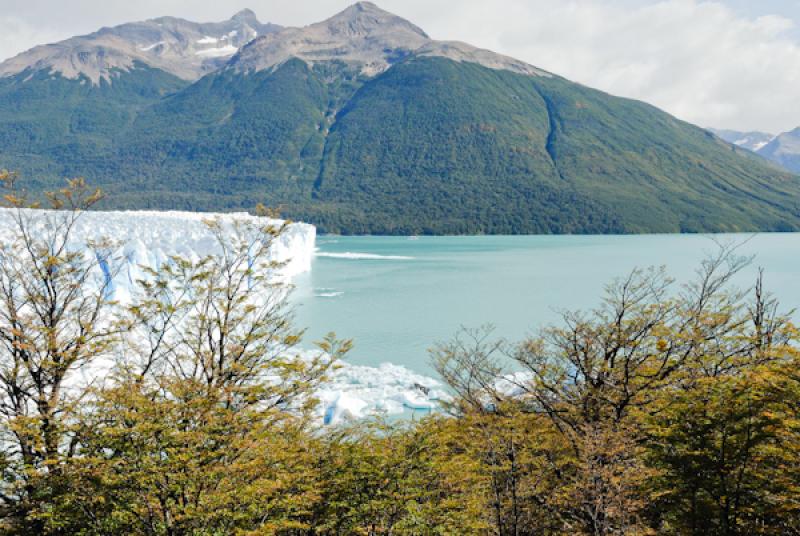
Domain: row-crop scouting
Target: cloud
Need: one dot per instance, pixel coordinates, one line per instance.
(702, 60)
(17, 35)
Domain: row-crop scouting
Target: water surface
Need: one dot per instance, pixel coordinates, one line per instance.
(397, 296)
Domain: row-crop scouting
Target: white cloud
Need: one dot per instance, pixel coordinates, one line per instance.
(17, 35)
(701, 60)
(698, 60)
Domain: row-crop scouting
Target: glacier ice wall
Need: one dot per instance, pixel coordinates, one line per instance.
(147, 239)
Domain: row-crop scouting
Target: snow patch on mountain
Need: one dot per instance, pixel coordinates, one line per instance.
(218, 52)
(753, 141)
(151, 47)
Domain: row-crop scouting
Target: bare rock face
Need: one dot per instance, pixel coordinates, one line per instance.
(363, 35)
(366, 37)
(180, 47)
(462, 52)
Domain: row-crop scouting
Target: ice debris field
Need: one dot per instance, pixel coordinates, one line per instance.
(148, 239)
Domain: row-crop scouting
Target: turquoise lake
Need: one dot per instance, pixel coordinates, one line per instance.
(396, 296)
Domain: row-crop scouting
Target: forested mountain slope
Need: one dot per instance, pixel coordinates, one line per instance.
(363, 124)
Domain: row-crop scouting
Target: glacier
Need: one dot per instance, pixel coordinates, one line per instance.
(149, 238)
(146, 239)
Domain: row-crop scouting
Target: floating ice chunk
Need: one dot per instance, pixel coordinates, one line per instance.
(389, 407)
(389, 390)
(345, 407)
(513, 385)
(328, 294)
(416, 400)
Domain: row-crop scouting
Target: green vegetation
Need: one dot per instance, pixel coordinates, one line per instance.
(429, 146)
(49, 124)
(668, 410)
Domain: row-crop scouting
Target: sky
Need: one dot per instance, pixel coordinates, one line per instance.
(716, 63)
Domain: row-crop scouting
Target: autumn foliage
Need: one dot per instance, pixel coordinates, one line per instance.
(670, 409)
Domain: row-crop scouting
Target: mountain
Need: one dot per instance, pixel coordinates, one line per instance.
(367, 38)
(364, 124)
(752, 141)
(182, 48)
(784, 150)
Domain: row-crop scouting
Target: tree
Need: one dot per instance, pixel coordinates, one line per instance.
(724, 437)
(595, 376)
(609, 386)
(518, 454)
(53, 321)
(403, 479)
(207, 427)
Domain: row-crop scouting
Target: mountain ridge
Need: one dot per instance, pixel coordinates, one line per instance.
(361, 34)
(177, 46)
(365, 35)
(783, 149)
(752, 140)
(363, 124)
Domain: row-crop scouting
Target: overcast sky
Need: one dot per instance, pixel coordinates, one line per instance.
(722, 63)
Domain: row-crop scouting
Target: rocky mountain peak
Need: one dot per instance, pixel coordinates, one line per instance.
(183, 48)
(368, 38)
(364, 36)
(365, 18)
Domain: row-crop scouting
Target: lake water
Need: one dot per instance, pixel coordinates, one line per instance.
(397, 296)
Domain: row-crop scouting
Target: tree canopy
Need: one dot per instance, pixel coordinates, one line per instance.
(670, 409)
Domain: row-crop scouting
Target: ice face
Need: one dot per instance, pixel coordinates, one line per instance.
(146, 239)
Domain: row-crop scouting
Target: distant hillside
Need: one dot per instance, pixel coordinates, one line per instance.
(364, 124)
(752, 141)
(783, 149)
